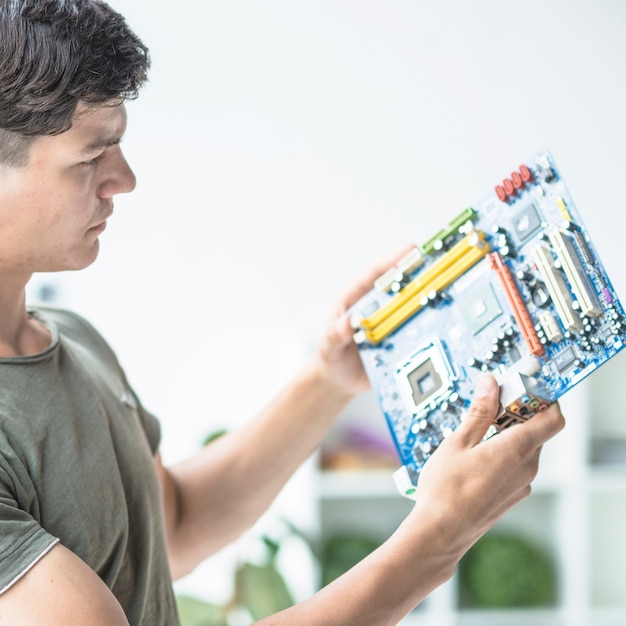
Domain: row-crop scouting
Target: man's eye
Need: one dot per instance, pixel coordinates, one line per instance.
(92, 162)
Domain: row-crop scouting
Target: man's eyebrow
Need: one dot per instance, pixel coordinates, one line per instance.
(100, 144)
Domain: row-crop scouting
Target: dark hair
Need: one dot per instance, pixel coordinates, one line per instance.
(55, 54)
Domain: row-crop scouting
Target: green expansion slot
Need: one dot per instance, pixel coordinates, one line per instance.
(435, 242)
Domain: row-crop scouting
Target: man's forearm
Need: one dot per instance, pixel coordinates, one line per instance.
(216, 495)
(383, 587)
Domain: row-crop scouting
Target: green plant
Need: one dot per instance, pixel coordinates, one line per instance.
(341, 552)
(504, 571)
(259, 589)
(194, 612)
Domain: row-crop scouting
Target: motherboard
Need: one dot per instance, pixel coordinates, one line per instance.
(512, 286)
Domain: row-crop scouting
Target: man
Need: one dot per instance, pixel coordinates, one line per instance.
(93, 528)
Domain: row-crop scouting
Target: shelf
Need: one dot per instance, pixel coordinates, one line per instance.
(607, 550)
(608, 478)
(575, 513)
(379, 483)
(374, 483)
(517, 617)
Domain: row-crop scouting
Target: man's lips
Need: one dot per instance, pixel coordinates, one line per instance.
(98, 228)
(101, 225)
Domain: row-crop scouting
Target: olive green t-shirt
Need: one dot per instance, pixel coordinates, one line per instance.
(77, 466)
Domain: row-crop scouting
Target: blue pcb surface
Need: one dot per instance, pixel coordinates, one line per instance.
(512, 286)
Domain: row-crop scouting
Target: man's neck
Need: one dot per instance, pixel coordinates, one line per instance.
(20, 334)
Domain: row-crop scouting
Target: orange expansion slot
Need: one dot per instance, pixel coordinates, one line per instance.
(515, 300)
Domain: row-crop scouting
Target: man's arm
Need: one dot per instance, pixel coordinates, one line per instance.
(60, 590)
(219, 493)
(215, 496)
(465, 487)
(211, 499)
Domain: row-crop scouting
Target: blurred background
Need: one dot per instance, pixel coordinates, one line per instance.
(280, 148)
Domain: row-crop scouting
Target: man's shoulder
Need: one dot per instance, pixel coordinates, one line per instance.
(73, 327)
(62, 318)
(68, 323)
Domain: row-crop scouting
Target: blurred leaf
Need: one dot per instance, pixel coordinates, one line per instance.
(342, 552)
(194, 612)
(261, 590)
(273, 546)
(213, 436)
(314, 546)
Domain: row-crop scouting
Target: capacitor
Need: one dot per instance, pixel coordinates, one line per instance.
(454, 398)
(525, 173)
(539, 295)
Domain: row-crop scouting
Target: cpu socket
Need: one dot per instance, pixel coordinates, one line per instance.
(526, 222)
(426, 378)
(480, 307)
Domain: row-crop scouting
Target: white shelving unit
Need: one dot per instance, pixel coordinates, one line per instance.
(576, 513)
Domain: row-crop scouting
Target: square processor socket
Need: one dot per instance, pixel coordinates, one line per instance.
(426, 378)
(526, 222)
(480, 308)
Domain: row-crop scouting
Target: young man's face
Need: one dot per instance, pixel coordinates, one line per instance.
(53, 209)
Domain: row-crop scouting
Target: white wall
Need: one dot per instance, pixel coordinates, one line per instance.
(282, 146)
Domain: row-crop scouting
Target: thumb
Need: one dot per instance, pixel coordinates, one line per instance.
(343, 329)
(483, 410)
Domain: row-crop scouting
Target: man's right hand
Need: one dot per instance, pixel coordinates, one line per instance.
(469, 482)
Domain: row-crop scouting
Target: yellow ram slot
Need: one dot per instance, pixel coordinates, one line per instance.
(417, 285)
(437, 284)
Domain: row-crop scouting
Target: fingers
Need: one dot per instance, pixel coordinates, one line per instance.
(366, 281)
(538, 429)
(483, 410)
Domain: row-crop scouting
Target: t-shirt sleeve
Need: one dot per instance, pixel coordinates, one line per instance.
(87, 334)
(22, 540)
(152, 428)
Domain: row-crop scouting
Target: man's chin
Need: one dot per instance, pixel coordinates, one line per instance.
(83, 260)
